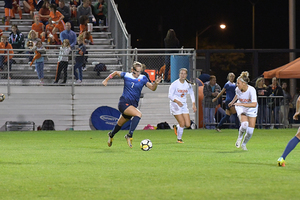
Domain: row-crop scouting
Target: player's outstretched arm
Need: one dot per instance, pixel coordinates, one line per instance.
(112, 75)
(153, 86)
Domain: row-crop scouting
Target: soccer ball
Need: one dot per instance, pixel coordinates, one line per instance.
(146, 145)
(2, 97)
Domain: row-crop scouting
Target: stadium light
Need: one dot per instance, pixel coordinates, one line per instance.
(222, 26)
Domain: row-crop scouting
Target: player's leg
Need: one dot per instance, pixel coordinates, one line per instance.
(179, 127)
(242, 129)
(289, 147)
(249, 131)
(136, 117)
(122, 120)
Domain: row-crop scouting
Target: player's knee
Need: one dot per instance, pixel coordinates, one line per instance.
(298, 133)
(244, 125)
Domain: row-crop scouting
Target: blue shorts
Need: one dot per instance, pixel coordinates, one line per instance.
(122, 106)
(226, 105)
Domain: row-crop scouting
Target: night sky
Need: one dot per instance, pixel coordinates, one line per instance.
(148, 21)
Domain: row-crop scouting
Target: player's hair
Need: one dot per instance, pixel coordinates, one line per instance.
(188, 81)
(136, 63)
(230, 73)
(244, 77)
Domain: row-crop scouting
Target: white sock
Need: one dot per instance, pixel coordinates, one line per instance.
(242, 129)
(179, 132)
(248, 135)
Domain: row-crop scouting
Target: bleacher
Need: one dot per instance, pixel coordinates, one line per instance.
(101, 52)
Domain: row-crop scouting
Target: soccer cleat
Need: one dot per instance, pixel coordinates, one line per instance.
(244, 148)
(217, 129)
(175, 129)
(281, 162)
(129, 140)
(110, 140)
(180, 141)
(238, 143)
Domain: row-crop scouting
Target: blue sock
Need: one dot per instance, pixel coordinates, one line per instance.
(134, 122)
(115, 130)
(224, 119)
(290, 146)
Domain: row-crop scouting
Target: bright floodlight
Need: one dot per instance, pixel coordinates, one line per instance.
(222, 26)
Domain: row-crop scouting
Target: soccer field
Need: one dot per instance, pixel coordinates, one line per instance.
(80, 165)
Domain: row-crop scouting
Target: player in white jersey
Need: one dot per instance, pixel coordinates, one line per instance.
(178, 106)
(246, 108)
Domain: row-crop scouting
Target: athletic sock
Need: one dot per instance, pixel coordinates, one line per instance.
(134, 122)
(115, 130)
(224, 119)
(290, 146)
(248, 135)
(179, 132)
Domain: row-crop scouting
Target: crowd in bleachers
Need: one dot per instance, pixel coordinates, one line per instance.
(49, 18)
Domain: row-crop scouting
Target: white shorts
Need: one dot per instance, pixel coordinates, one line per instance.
(249, 112)
(175, 109)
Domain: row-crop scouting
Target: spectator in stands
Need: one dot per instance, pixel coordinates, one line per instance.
(64, 10)
(69, 34)
(38, 27)
(48, 31)
(44, 13)
(170, 41)
(211, 90)
(8, 12)
(29, 6)
(3, 59)
(285, 104)
(83, 20)
(274, 105)
(100, 12)
(88, 39)
(30, 42)
(16, 38)
(39, 60)
(73, 5)
(63, 59)
(57, 20)
(16, 8)
(85, 9)
(1, 32)
(79, 59)
(263, 112)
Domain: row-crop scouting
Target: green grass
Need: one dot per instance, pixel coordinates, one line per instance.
(79, 165)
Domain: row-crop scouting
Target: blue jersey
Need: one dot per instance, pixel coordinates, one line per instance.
(132, 88)
(230, 90)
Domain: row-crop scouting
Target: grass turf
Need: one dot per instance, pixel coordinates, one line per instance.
(80, 165)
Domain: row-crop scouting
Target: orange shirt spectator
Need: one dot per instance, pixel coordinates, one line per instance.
(5, 45)
(37, 26)
(57, 18)
(44, 13)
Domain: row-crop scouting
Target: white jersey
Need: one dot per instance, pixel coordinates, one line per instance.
(179, 91)
(248, 96)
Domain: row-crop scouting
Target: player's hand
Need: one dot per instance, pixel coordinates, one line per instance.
(214, 99)
(230, 104)
(104, 82)
(295, 117)
(194, 108)
(158, 79)
(180, 104)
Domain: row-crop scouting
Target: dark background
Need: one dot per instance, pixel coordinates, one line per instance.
(148, 22)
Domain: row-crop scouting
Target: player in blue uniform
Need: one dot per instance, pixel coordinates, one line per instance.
(133, 85)
(229, 87)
